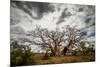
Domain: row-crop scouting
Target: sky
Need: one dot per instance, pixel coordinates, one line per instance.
(26, 15)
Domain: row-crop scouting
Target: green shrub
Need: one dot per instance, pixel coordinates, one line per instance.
(22, 55)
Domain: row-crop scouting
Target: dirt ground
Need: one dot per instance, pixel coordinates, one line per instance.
(64, 59)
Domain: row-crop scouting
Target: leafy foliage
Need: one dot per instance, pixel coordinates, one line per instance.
(21, 55)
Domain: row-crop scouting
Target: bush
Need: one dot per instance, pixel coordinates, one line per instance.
(22, 55)
(19, 60)
(30, 60)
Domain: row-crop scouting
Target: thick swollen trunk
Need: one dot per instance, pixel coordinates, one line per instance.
(66, 48)
(55, 51)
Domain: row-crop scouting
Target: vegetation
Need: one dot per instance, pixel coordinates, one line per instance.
(60, 47)
(54, 40)
(21, 55)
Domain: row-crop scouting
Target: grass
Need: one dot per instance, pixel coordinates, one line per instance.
(63, 59)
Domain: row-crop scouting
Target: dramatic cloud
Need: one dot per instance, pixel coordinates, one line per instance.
(26, 15)
(29, 7)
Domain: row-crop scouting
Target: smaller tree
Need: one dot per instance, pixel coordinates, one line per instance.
(73, 38)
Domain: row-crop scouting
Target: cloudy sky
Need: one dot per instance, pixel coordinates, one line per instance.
(26, 15)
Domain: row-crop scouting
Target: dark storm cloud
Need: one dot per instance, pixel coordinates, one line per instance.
(60, 21)
(14, 22)
(83, 33)
(80, 9)
(89, 12)
(90, 18)
(92, 34)
(87, 32)
(27, 7)
(85, 28)
(65, 14)
(87, 8)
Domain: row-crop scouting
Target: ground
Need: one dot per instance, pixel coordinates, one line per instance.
(63, 59)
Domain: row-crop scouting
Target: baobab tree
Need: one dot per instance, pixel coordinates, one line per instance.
(55, 39)
(48, 39)
(73, 38)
